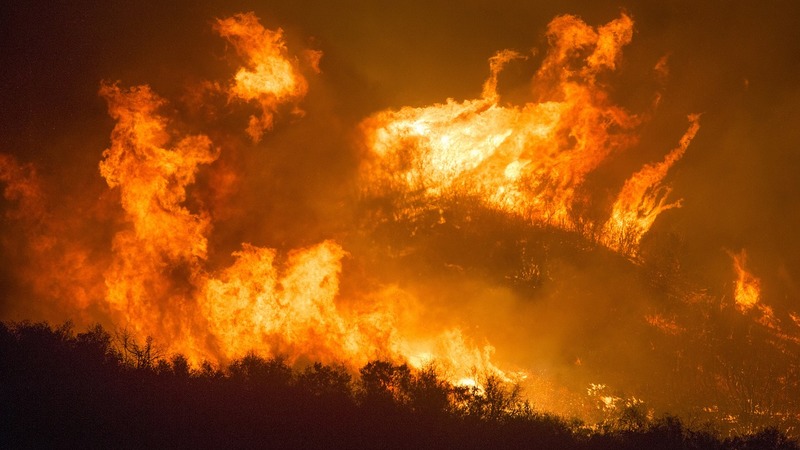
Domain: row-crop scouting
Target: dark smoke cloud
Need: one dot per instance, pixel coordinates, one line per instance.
(736, 62)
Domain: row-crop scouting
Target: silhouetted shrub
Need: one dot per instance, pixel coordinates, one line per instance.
(766, 439)
(59, 389)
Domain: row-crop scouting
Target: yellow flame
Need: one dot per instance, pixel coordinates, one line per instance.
(163, 235)
(253, 305)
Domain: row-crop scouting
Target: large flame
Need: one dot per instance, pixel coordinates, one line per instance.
(157, 257)
(530, 159)
(253, 304)
(158, 283)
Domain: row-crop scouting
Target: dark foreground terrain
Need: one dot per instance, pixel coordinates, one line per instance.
(59, 389)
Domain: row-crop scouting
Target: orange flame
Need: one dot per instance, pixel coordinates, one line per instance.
(528, 160)
(531, 159)
(163, 246)
(747, 291)
(293, 311)
(643, 198)
(251, 304)
(158, 283)
(270, 77)
(666, 325)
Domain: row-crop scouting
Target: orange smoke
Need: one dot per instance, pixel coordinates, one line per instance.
(528, 160)
(270, 77)
(21, 186)
(49, 258)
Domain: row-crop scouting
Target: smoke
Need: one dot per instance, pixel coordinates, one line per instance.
(282, 173)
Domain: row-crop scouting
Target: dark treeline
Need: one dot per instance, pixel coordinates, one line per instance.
(93, 390)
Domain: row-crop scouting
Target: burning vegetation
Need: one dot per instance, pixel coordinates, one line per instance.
(530, 160)
(504, 241)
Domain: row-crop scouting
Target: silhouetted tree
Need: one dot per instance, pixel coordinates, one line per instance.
(428, 394)
(383, 382)
(495, 400)
(58, 389)
(325, 381)
(257, 371)
(137, 355)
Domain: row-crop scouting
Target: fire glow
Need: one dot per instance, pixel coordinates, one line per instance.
(527, 160)
(531, 161)
(748, 287)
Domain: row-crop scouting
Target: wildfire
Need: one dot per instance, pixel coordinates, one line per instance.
(158, 283)
(165, 240)
(392, 235)
(531, 159)
(528, 160)
(748, 288)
